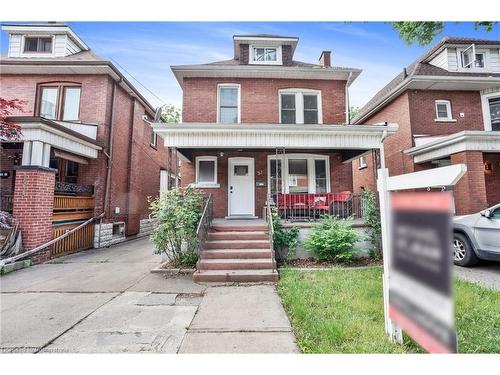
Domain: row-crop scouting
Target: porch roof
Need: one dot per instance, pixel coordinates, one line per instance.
(56, 135)
(486, 141)
(270, 136)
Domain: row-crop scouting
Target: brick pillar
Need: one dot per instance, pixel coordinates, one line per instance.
(32, 207)
(470, 191)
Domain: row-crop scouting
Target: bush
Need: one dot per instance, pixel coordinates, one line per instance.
(332, 239)
(186, 260)
(285, 241)
(177, 213)
(371, 216)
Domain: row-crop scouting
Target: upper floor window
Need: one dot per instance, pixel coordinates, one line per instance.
(60, 102)
(38, 45)
(265, 55)
(470, 58)
(362, 162)
(443, 110)
(300, 106)
(153, 141)
(494, 106)
(228, 98)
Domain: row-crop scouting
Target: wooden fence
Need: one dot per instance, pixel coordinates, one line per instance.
(80, 240)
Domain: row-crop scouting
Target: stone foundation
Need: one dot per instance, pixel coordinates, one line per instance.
(103, 235)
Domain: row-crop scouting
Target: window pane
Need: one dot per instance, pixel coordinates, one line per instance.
(241, 170)
(71, 103)
(48, 102)
(310, 117)
(45, 45)
(495, 113)
(259, 54)
(229, 96)
(320, 169)
(311, 102)
(288, 117)
(275, 177)
(442, 111)
(270, 54)
(479, 63)
(298, 181)
(30, 44)
(206, 172)
(288, 101)
(71, 172)
(228, 115)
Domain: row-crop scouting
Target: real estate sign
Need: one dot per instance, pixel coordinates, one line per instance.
(420, 283)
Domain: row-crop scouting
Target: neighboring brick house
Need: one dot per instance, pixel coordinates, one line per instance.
(263, 124)
(86, 147)
(447, 106)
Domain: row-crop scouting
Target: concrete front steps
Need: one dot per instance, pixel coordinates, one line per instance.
(236, 253)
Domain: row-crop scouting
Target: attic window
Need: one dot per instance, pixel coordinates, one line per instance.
(38, 45)
(265, 54)
(472, 59)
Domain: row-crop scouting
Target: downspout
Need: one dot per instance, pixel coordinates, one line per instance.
(347, 107)
(129, 161)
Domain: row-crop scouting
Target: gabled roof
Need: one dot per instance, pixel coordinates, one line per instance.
(421, 67)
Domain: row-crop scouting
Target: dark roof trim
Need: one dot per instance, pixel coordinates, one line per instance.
(85, 63)
(55, 125)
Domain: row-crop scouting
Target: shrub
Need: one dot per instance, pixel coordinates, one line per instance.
(285, 241)
(332, 239)
(186, 260)
(177, 213)
(371, 216)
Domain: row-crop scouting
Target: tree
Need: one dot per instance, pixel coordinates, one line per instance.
(10, 130)
(171, 114)
(424, 32)
(353, 111)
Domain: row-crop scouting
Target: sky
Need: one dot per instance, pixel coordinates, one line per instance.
(146, 50)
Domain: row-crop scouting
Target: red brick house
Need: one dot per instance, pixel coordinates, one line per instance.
(447, 106)
(263, 124)
(86, 146)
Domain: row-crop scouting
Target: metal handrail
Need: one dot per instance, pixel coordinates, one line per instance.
(270, 227)
(204, 223)
(47, 244)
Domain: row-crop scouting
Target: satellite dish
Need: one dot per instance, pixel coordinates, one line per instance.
(158, 114)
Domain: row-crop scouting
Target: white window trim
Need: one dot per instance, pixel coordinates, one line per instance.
(155, 139)
(213, 184)
(299, 103)
(449, 117)
(236, 85)
(310, 168)
(362, 162)
(486, 108)
(37, 54)
(473, 68)
(251, 55)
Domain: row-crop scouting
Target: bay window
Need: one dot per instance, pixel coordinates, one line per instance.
(228, 98)
(300, 106)
(59, 102)
(299, 174)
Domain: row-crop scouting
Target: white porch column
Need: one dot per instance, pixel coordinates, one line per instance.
(36, 153)
(26, 154)
(46, 155)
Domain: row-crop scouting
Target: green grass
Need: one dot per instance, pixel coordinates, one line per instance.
(340, 311)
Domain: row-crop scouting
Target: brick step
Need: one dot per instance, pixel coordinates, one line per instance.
(237, 244)
(238, 228)
(238, 235)
(235, 264)
(235, 276)
(236, 254)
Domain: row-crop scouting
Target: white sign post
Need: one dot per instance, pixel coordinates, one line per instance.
(438, 177)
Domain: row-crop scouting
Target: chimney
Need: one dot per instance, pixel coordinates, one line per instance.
(324, 59)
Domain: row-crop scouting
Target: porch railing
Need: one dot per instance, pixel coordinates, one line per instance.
(270, 226)
(67, 188)
(204, 223)
(312, 206)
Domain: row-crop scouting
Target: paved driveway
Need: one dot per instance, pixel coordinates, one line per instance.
(107, 301)
(485, 273)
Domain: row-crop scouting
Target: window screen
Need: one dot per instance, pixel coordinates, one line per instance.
(48, 104)
(71, 103)
(288, 109)
(310, 109)
(228, 102)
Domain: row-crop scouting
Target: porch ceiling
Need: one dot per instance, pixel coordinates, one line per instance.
(486, 141)
(271, 136)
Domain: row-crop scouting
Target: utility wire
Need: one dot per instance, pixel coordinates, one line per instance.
(139, 82)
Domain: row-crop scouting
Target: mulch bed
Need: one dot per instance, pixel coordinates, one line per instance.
(315, 263)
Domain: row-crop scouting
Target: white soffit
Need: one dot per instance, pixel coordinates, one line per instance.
(462, 141)
(269, 136)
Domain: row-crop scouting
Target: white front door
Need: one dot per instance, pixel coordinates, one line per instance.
(241, 192)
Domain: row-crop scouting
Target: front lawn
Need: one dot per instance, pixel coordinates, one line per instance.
(340, 311)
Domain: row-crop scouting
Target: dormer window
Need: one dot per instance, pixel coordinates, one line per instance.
(38, 45)
(265, 55)
(470, 58)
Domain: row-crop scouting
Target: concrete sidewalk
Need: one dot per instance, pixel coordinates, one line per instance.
(240, 319)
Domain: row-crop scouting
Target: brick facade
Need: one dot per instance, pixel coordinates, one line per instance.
(340, 176)
(259, 98)
(415, 112)
(136, 165)
(33, 203)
